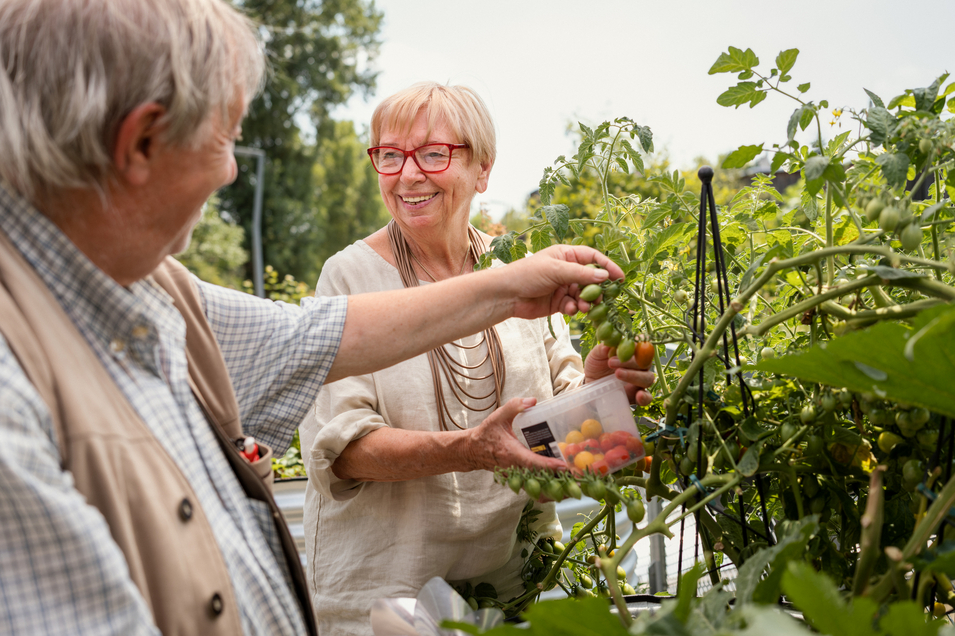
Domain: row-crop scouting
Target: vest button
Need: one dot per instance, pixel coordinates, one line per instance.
(185, 510)
(216, 604)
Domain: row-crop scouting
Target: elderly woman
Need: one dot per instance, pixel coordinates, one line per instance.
(398, 491)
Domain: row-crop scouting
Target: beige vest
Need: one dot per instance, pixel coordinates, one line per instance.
(119, 465)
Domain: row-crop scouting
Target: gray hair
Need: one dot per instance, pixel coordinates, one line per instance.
(71, 70)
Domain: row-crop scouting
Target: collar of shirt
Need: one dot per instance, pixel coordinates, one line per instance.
(122, 320)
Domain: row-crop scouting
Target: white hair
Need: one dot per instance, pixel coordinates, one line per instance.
(71, 70)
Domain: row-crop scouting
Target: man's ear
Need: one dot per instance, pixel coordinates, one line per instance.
(137, 143)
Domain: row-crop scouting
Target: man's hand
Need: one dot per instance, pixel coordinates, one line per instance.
(550, 281)
(600, 364)
(493, 444)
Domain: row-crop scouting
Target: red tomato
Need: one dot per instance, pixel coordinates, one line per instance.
(635, 446)
(617, 457)
(600, 467)
(620, 437)
(591, 445)
(646, 463)
(644, 355)
(606, 442)
(572, 449)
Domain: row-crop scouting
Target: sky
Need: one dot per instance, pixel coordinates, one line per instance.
(542, 66)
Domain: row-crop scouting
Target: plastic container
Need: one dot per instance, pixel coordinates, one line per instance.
(590, 428)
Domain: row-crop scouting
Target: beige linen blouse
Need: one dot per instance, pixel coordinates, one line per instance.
(372, 540)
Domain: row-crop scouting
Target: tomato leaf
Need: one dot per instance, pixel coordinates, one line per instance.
(742, 93)
(540, 240)
(939, 558)
(895, 167)
(734, 61)
(742, 156)
(876, 100)
(559, 218)
(822, 605)
(751, 586)
(885, 370)
(565, 617)
(881, 122)
(785, 60)
(802, 88)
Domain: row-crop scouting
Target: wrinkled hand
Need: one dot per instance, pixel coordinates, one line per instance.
(493, 443)
(600, 364)
(550, 281)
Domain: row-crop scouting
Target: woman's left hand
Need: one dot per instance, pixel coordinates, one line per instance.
(600, 363)
(493, 444)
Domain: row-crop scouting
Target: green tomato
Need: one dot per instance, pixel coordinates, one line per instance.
(591, 293)
(598, 490)
(767, 353)
(815, 445)
(889, 218)
(808, 414)
(845, 398)
(874, 209)
(911, 236)
(611, 291)
(605, 332)
(636, 510)
(586, 582)
(810, 487)
(554, 489)
(680, 297)
(888, 440)
(925, 146)
(626, 349)
(533, 488)
(912, 471)
(572, 489)
(928, 438)
(515, 482)
(920, 416)
(598, 313)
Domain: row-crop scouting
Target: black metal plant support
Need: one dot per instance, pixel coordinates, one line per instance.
(697, 325)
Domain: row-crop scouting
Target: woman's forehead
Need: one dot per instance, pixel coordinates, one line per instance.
(419, 128)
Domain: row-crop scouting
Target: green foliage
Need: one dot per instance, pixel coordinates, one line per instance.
(284, 288)
(912, 364)
(840, 296)
(318, 55)
(290, 464)
(215, 253)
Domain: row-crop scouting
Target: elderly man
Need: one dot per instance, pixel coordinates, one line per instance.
(125, 505)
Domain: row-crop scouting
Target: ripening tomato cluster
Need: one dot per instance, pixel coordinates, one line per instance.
(611, 329)
(591, 449)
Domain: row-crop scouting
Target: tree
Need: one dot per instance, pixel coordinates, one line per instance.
(319, 54)
(215, 253)
(347, 203)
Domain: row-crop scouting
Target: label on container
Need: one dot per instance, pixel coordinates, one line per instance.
(540, 439)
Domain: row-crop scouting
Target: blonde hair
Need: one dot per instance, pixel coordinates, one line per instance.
(458, 107)
(71, 70)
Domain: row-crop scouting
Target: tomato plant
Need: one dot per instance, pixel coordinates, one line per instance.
(815, 405)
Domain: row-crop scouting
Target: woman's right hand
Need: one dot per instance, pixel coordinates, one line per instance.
(492, 444)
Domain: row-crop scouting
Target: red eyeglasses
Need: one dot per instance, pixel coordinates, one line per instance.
(429, 158)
